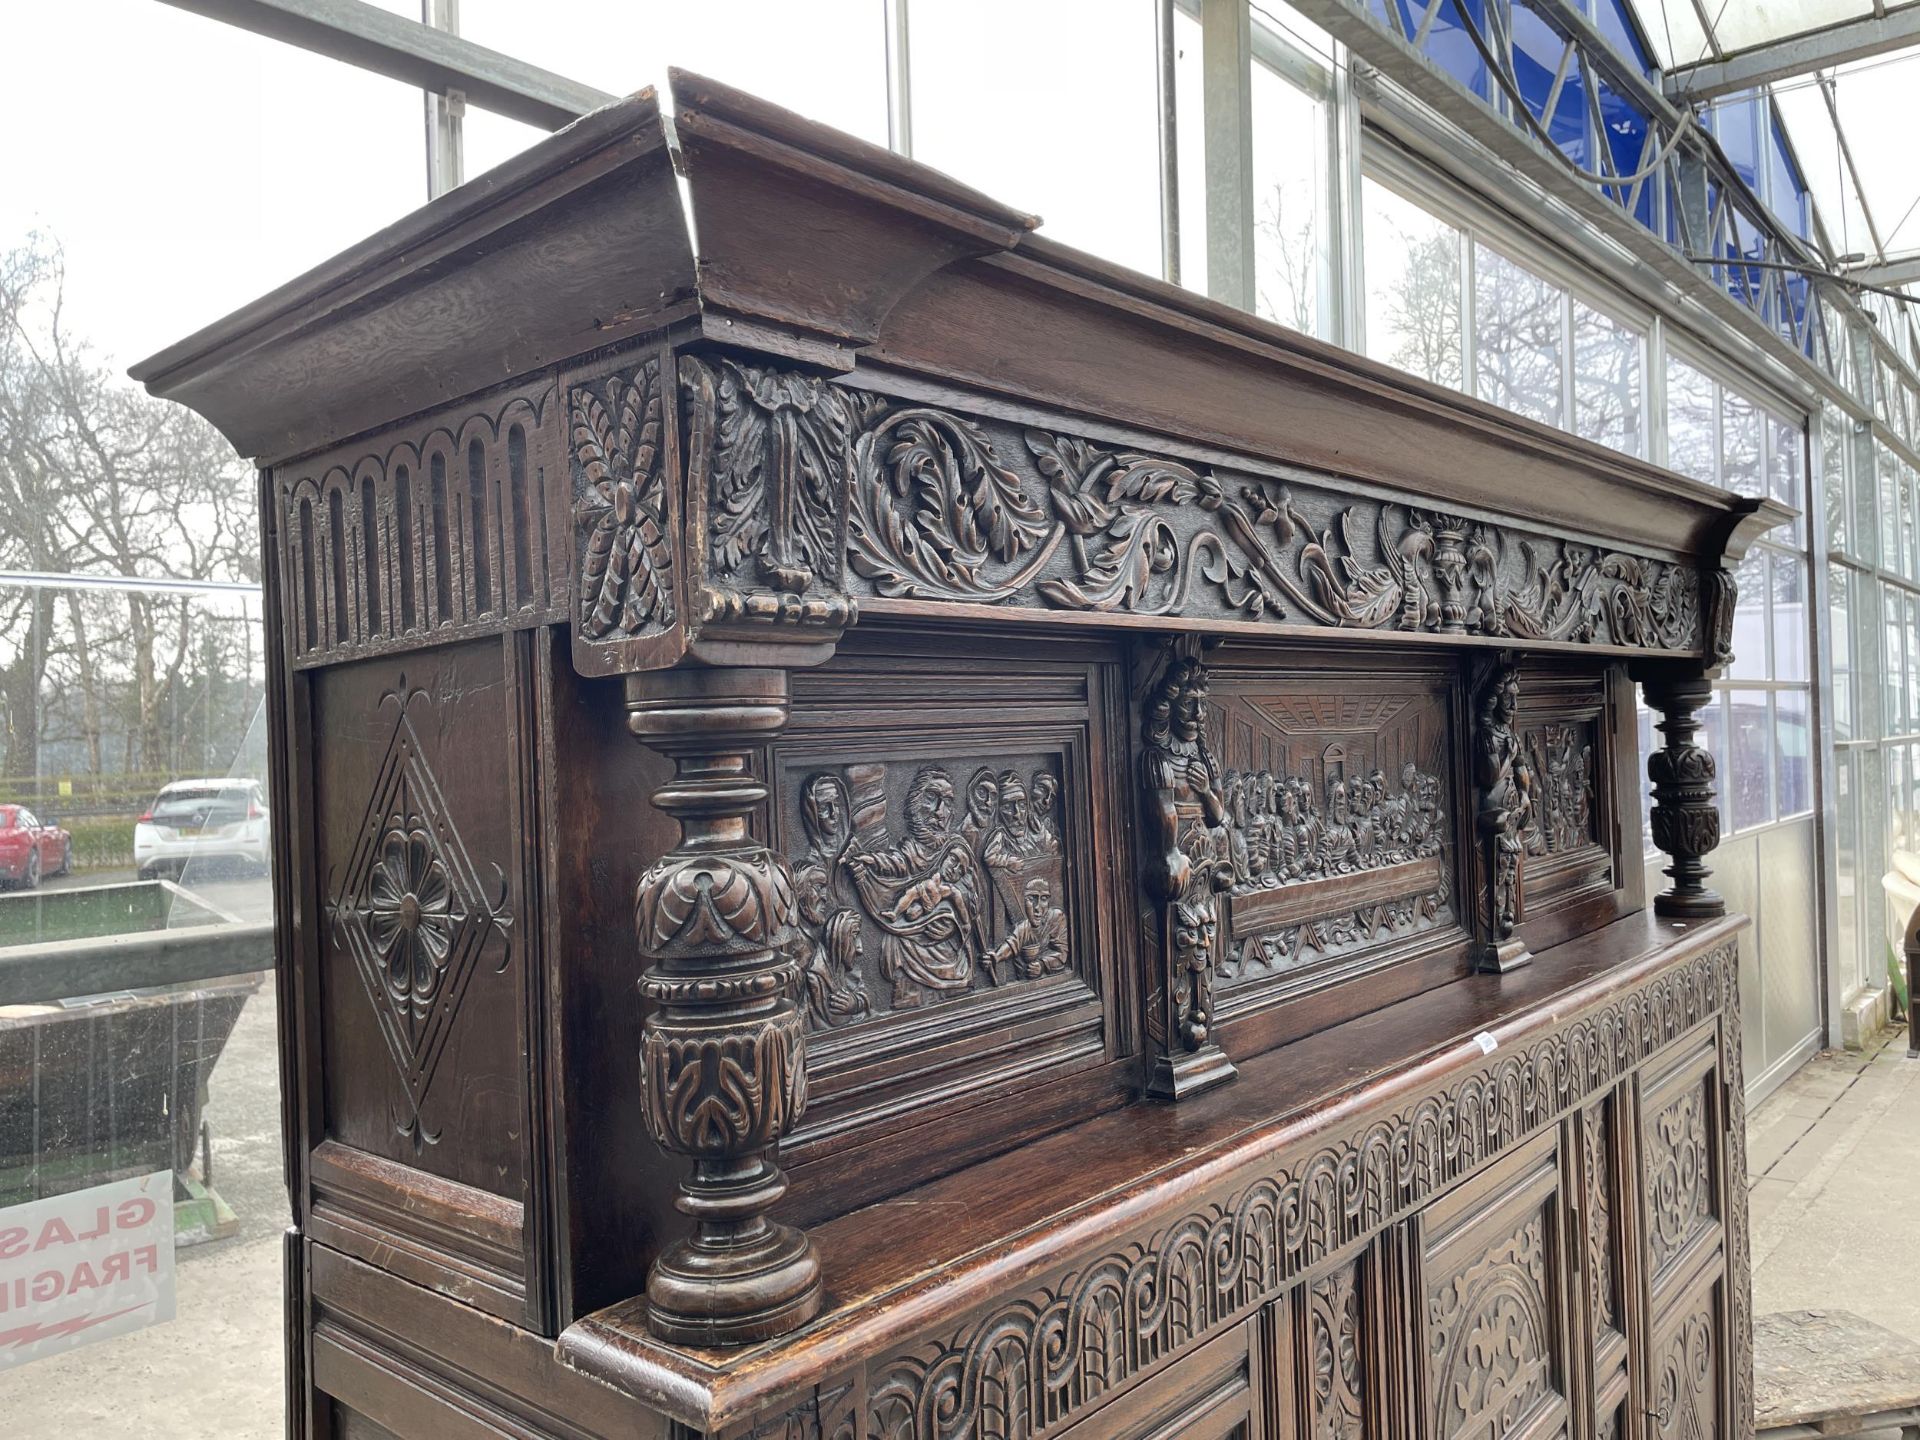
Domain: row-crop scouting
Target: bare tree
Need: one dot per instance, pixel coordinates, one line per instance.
(97, 477)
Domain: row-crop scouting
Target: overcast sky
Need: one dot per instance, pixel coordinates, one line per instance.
(187, 166)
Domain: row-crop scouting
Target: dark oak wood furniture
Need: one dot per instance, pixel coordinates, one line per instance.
(893, 831)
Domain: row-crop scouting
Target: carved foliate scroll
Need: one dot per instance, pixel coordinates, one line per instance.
(1505, 796)
(802, 496)
(920, 884)
(1189, 865)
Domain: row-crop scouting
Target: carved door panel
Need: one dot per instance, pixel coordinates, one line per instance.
(1683, 1193)
(1337, 1355)
(1216, 1393)
(420, 1027)
(1492, 1359)
(1602, 1221)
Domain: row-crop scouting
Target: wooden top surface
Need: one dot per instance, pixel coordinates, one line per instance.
(806, 244)
(1829, 1367)
(907, 1265)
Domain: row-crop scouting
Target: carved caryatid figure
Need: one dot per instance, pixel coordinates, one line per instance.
(924, 893)
(1189, 863)
(1505, 783)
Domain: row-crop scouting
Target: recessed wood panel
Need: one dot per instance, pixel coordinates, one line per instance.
(949, 817)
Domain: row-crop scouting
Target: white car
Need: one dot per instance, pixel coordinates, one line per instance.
(198, 821)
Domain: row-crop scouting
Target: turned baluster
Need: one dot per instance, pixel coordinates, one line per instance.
(723, 1050)
(1686, 817)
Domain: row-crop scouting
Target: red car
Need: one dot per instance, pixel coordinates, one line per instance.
(29, 849)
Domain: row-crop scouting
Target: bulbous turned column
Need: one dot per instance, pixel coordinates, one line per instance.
(723, 1050)
(1686, 817)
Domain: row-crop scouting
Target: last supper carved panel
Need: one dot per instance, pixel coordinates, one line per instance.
(1342, 820)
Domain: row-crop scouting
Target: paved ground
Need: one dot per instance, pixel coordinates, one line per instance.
(1834, 1187)
(215, 1371)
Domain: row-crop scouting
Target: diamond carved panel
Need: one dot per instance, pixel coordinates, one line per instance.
(412, 912)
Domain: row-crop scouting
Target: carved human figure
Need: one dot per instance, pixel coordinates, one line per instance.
(1046, 824)
(924, 893)
(1036, 946)
(826, 821)
(1015, 851)
(830, 971)
(1505, 782)
(1194, 925)
(983, 804)
(1337, 840)
(1183, 783)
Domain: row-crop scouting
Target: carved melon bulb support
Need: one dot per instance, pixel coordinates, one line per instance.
(1686, 818)
(723, 1058)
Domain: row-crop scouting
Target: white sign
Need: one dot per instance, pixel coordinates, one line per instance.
(84, 1267)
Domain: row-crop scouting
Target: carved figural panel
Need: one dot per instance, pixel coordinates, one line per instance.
(1339, 821)
(919, 883)
(808, 496)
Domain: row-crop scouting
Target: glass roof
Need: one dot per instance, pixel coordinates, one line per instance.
(1850, 123)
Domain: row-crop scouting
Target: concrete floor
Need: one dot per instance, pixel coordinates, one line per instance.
(215, 1372)
(1833, 1160)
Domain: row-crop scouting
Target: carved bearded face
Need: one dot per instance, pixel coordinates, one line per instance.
(1337, 802)
(930, 806)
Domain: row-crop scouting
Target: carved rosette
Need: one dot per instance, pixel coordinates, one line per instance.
(1686, 817)
(723, 1049)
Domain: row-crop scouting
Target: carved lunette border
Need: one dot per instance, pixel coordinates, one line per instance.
(805, 498)
(1031, 1365)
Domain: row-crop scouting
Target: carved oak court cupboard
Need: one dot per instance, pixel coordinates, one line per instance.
(887, 830)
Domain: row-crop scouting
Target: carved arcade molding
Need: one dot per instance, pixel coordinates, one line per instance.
(1490, 1337)
(1027, 1366)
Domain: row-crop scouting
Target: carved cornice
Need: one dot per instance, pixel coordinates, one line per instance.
(806, 498)
(1029, 1366)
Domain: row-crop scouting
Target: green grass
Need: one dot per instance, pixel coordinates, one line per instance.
(102, 842)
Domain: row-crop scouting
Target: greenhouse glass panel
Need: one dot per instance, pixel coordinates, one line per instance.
(1289, 202)
(1750, 766)
(1608, 399)
(1518, 345)
(1692, 421)
(1413, 286)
